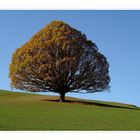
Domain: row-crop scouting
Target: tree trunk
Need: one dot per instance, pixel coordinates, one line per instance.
(62, 97)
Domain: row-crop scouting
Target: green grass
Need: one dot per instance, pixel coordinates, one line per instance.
(21, 111)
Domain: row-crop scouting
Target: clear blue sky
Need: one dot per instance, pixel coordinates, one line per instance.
(116, 33)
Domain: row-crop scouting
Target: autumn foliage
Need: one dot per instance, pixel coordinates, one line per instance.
(59, 59)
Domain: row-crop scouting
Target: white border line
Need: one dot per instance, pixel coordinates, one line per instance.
(69, 4)
(73, 135)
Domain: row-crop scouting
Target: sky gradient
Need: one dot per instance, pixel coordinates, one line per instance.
(116, 33)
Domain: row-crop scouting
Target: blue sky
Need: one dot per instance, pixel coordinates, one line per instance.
(116, 33)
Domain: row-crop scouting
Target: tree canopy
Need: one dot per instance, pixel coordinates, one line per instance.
(59, 59)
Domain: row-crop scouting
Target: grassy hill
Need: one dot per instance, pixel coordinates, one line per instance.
(22, 111)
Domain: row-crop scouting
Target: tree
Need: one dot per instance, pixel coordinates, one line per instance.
(59, 59)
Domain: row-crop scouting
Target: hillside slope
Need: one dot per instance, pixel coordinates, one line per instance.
(22, 111)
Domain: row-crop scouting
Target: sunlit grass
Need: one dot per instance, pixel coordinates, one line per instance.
(21, 111)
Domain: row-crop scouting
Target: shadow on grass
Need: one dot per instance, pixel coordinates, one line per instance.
(95, 104)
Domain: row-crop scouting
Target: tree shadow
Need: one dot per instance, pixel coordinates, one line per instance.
(95, 104)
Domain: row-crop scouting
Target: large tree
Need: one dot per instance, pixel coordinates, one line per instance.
(59, 59)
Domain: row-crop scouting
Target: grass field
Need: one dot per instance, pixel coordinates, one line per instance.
(21, 111)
